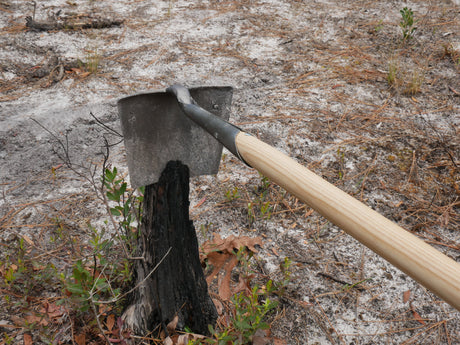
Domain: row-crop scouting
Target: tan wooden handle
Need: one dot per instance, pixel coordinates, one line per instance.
(422, 262)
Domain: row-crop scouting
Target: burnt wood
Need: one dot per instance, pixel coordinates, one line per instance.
(177, 286)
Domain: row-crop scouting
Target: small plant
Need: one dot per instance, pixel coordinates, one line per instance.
(407, 23)
(405, 79)
(250, 314)
(393, 70)
(232, 194)
(285, 269)
(415, 83)
(251, 213)
(379, 26)
(7, 339)
(263, 187)
(348, 287)
(341, 156)
(91, 282)
(127, 204)
(266, 210)
(92, 61)
(205, 230)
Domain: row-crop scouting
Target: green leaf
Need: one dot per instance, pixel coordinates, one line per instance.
(76, 289)
(115, 211)
(112, 196)
(123, 188)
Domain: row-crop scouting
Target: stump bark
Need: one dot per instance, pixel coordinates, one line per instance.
(177, 286)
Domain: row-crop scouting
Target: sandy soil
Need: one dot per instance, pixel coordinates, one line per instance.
(330, 83)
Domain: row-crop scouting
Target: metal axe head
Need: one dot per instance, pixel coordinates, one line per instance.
(156, 131)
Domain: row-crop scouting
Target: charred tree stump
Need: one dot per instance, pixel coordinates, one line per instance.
(169, 246)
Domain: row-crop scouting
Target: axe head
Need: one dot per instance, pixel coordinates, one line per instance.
(156, 131)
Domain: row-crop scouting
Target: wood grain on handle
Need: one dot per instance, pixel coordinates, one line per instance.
(422, 262)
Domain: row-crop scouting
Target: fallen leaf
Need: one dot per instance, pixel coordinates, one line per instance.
(171, 326)
(80, 339)
(217, 261)
(231, 243)
(243, 285)
(17, 320)
(110, 322)
(219, 306)
(260, 337)
(104, 309)
(168, 341)
(37, 319)
(279, 341)
(224, 286)
(27, 339)
(406, 296)
(416, 315)
(183, 339)
(52, 310)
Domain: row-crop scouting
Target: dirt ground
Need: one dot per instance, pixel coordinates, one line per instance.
(332, 84)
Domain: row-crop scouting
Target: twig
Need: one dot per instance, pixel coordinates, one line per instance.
(105, 126)
(65, 148)
(93, 307)
(90, 24)
(350, 285)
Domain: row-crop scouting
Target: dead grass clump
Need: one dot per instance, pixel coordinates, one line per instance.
(450, 52)
(404, 79)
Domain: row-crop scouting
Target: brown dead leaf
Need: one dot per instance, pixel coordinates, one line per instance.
(183, 339)
(249, 242)
(104, 309)
(416, 315)
(219, 306)
(243, 285)
(80, 339)
(171, 326)
(36, 319)
(231, 243)
(217, 261)
(225, 291)
(406, 296)
(52, 310)
(27, 339)
(110, 322)
(18, 321)
(168, 341)
(279, 341)
(261, 337)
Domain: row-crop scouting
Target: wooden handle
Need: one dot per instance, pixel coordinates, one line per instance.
(429, 267)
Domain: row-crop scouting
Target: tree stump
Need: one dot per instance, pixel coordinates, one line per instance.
(177, 286)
